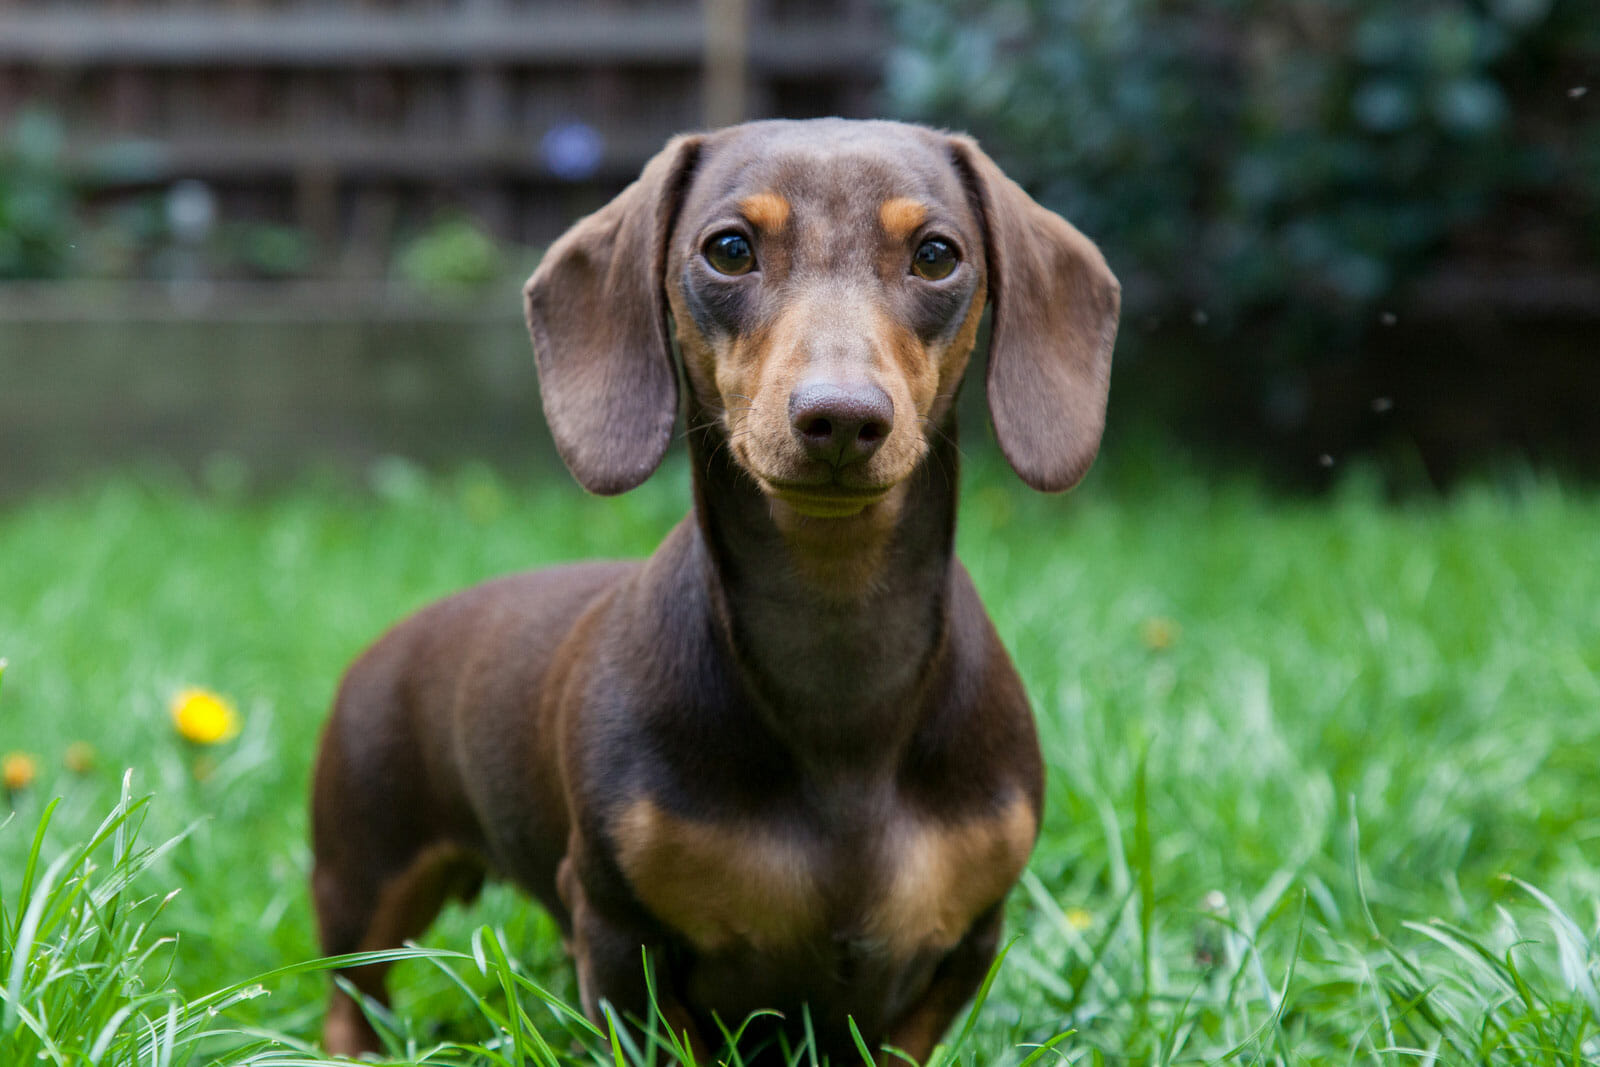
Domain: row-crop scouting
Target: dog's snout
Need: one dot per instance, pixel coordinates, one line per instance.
(840, 424)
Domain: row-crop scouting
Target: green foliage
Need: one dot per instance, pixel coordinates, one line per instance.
(454, 253)
(266, 249)
(1322, 776)
(37, 201)
(1252, 158)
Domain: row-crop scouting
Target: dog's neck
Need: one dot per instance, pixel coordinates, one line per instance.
(835, 622)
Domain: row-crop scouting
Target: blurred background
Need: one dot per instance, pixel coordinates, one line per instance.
(249, 236)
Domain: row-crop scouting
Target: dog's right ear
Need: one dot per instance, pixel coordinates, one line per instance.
(1056, 305)
(597, 314)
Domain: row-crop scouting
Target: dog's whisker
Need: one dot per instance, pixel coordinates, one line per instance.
(952, 442)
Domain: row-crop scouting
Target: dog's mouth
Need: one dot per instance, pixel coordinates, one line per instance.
(824, 501)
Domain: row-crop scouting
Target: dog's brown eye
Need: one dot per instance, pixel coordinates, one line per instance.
(730, 253)
(934, 259)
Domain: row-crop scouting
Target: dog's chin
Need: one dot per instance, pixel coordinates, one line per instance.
(823, 499)
(826, 504)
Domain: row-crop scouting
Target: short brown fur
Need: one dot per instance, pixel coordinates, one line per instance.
(786, 756)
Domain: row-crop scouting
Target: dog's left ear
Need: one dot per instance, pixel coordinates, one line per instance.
(597, 313)
(1055, 320)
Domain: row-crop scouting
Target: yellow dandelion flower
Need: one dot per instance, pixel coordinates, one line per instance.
(483, 501)
(79, 757)
(1079, 919)
(1159, 634)
(17, 770)
(204, 717)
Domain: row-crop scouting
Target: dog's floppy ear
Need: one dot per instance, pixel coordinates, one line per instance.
(1055, 319)
(598, 317)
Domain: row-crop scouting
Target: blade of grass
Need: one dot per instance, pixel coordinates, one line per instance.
(1274, 1020)
(30, 867)
(861, 1045)
(946, 1054)
(1143, 853)
(1048, 1046)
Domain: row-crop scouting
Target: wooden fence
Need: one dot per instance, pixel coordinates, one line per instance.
(351, 117)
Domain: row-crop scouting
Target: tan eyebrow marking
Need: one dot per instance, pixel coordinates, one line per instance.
(765, 211)
(901, 216)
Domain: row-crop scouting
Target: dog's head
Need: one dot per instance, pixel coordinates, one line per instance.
(825, 279)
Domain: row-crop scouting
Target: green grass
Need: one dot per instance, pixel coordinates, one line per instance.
(1324, 774)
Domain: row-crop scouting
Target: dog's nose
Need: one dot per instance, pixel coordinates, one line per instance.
(840, 424)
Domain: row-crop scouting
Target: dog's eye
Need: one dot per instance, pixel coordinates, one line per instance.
(934, 259)
(730, 253)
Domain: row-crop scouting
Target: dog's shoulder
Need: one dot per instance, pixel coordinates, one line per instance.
(976, 739)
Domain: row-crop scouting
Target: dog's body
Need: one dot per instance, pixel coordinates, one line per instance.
(787, 754)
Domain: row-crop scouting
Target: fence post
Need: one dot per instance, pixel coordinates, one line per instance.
(727, 61)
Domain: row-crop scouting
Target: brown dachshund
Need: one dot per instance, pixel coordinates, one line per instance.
(786, 754)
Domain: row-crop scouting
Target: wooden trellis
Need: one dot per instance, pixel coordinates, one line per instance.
(349, 116)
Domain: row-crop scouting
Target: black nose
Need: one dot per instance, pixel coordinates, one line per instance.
(840, 424)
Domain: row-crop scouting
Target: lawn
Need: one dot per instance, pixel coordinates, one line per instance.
(1324, 773)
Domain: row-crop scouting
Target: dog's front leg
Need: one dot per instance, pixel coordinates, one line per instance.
(957, 978)
(611, 955)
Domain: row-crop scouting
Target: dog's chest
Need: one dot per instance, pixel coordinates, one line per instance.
(907, 885)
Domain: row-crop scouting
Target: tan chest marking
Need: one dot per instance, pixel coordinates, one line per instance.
(943, 876)
(721, 885)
